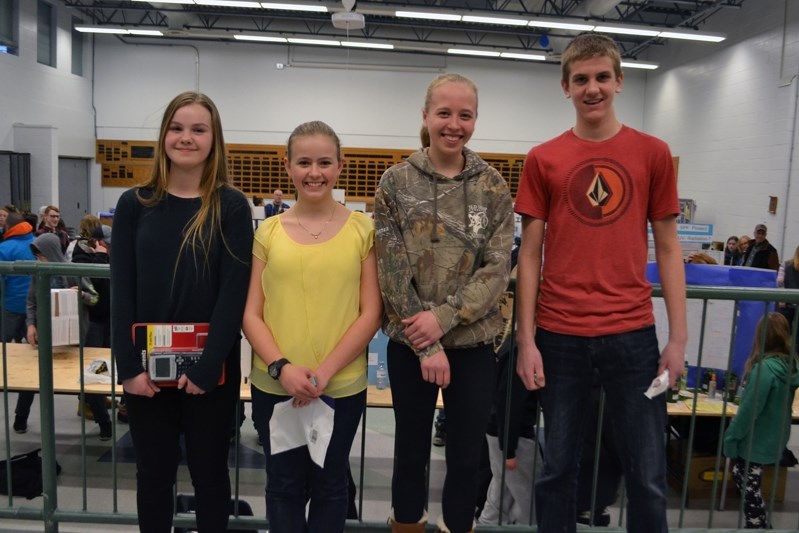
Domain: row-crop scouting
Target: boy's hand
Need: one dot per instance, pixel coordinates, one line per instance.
(511, 463)
(673, 358)
(32, 336)
(530, 368)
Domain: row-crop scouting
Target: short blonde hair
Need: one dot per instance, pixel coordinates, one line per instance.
(586, 46)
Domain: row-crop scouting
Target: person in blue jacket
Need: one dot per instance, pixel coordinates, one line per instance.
(759, 431)
(16, 246)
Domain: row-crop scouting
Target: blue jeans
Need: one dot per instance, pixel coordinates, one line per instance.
(627, 363)
(292, 478)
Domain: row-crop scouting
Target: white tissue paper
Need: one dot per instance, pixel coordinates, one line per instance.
(97, 372)
(659, 385)
(292, 427)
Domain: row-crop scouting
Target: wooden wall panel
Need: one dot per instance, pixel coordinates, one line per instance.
(258, 169)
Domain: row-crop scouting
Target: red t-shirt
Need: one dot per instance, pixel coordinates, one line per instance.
(596, 198)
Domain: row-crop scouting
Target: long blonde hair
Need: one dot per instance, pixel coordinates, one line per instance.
(215, 175)
(796, 258)
(775, 340)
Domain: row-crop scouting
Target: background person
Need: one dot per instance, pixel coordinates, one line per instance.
(731, 253)
(760, 253)
(52, 223)
(276, 206)
(182, 243)
(444, 226)
(47, 248)
(16, 246)
(771, 377)
(788, 278)
(3, 218)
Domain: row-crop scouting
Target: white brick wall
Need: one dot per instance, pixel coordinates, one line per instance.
(726, 111)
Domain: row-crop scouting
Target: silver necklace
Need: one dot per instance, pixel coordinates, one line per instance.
(309, 232)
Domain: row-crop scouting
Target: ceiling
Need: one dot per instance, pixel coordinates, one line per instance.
(221, 23)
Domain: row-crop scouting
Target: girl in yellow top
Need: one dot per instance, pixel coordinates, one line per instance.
(312, 307)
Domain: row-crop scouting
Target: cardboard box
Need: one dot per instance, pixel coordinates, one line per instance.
(702, 472)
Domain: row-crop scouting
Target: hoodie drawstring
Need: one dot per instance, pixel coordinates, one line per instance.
(434, 234)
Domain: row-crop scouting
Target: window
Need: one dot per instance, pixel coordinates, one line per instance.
(8, 27)
(77, 49)
(45, 34)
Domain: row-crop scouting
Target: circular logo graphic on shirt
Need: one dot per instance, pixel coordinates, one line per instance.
(598, 191)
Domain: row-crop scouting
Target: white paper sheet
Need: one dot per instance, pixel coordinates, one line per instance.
(292, 427)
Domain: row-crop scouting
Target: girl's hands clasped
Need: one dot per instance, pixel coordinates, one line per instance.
(296, 380)
(422, 329)
(435, 369)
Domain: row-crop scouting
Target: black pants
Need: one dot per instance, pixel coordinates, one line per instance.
(156, 425)
(468, 404)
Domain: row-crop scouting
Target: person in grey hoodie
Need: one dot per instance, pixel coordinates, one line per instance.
(444, 232)
(760, 429)
(47, 248)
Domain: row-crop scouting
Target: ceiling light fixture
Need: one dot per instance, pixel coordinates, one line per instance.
(294, 7)
(528, 57)
(638, 64)
(555, 25)
(228, 3)
(260, 38)
(146, 33)
(318, 42)
(359, 44)
(628, 30)
(466, 52)
(169, 1)
(693, 36)
(427, 15)
(494, 20)
(102, 29)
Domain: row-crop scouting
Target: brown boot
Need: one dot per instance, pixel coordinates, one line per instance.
(418, 527)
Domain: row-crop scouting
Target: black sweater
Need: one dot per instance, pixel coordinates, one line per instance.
(148, 288)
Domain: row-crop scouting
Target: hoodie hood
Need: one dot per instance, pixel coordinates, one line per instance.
(49, 245)
(472, 167)
(779, 367)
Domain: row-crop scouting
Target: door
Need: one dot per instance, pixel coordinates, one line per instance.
(73, 191)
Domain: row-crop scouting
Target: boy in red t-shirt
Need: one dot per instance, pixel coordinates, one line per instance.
(593, 189)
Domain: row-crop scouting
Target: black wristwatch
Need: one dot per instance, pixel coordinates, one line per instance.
(276, 367)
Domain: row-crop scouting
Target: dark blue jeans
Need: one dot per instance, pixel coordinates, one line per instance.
(467, 401)
(627, 363)
(292, 478)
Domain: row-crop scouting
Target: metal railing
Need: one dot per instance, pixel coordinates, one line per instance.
(51, 514)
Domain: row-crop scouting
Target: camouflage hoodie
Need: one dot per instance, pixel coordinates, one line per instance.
(443, 244)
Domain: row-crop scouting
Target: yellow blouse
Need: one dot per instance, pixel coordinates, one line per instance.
(311, 298)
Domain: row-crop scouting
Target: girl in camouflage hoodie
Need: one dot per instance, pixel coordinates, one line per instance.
(444, 231)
